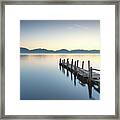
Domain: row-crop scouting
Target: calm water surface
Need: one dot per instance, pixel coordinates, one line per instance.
(42, 79)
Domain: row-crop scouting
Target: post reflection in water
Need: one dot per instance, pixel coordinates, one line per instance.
(60, 67)
(63, 70)
(67, 73)
(74, 80)
(71, 76)
(90, 88)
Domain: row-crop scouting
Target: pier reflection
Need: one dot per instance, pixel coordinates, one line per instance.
(67, 73)
(63, 70)
(60, 67)
(71, 75)
(74, 80)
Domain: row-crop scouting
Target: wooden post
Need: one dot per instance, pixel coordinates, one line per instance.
(89, 65)
(64, 61)
(67, 61)
(71, 63)
(90, 72)
(90, 82)
(75, 65)
(82, 64)
(60, 61)
(77, 62)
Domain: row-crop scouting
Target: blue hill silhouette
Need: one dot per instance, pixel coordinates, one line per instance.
(39, 50)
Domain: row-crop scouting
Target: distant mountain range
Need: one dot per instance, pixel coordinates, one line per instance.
(39, 50)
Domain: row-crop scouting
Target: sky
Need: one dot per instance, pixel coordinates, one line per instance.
(60, 34)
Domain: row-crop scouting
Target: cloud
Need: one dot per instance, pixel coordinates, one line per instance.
(78, 26)
(71, 27)
(81, 26)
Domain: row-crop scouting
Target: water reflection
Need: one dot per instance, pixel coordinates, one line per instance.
(71, 76)
(63, 70)
(41, 78)
(74, 80)
(67, 73)
(90, 88)
(60, 67)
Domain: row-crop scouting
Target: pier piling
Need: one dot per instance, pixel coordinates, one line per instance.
(88, 64)
(71, 63)
(64, 60)
(60, 61)
(90, 72)
(77, 62)
(75, 65)
(82, 64)
(67, 62)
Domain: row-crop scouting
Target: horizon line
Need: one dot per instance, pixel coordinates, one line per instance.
(59, 49)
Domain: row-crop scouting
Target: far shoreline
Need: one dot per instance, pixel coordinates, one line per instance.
(56, 53)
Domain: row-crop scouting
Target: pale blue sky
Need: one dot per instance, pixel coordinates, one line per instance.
(60, 34)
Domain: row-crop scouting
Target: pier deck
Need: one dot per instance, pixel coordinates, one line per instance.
(80, 71)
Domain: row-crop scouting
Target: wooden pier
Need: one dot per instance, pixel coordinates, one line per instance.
(89, 76)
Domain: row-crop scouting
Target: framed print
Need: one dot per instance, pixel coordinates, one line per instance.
(59, 59)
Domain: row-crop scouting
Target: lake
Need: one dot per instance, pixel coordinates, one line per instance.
(41, 77)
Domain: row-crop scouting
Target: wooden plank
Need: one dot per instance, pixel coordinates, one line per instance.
(95, 69)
